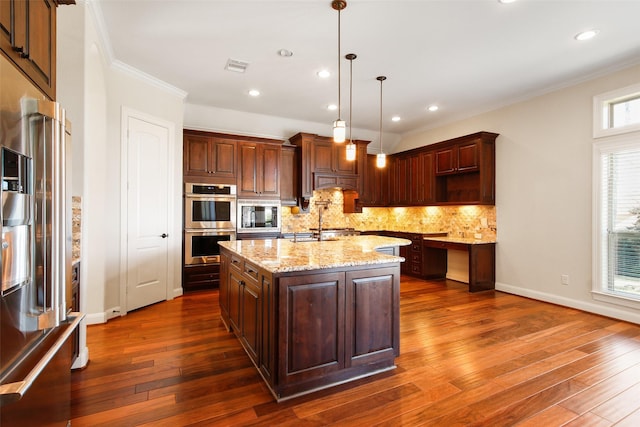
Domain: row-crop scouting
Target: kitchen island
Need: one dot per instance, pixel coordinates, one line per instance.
(312, 314)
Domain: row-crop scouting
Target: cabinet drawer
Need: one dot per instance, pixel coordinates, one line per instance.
(416, 258)
(250, 271)
(236, 262)
(416, 268)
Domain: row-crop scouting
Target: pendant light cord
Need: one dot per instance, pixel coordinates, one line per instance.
(381, 80)
(339, 58)
(350, 95)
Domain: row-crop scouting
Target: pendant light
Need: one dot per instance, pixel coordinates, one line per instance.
(381, 158)
(339, 126)
(351, 147)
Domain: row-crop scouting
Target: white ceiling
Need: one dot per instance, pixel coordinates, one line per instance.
(467, 56)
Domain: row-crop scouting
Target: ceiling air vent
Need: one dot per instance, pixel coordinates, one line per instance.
(236, 65)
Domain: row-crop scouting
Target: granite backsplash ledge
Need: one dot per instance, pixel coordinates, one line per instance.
(455, 220)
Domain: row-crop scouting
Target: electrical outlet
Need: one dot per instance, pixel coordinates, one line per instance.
(484, 223)
(564, 279)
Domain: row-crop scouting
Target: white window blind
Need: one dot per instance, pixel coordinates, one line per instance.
(619, 226)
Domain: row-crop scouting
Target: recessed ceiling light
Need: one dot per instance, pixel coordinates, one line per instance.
(506, 1)
(433, 108)
(285, 53)
(395, 118)
(332, 107)
(586, 35)
(254, 92)
(323, 74)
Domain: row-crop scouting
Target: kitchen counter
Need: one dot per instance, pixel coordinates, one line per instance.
(282, 255)
(311, 314)
(463, 240)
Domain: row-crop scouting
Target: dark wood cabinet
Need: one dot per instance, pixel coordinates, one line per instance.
(309, 329)
(482, 262)
(199, 277)
(376, 185)
(28, 38)
(458, 158)
(209, 157)
(465, 170)
(460, 171)
(259, 170)
(324, 164)
(289, 175)
(329, 157)
(400, 180)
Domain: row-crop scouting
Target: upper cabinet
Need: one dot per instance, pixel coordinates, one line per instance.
(329, 157)
(209, 157)
(28, 38)
(323, 164)
(289, 175)
(465, 170)
(259, 169)
(459, 171)
(458, 158)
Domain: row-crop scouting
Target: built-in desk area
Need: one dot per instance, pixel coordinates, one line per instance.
(482, 260)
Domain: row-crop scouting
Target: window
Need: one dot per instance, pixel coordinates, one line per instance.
(617, 112)
(616, 166)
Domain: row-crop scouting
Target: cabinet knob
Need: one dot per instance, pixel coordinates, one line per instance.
(164, 235)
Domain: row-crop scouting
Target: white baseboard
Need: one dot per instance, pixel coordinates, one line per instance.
(82, 360)
(568, 302)
(96, 318)
(177, 292)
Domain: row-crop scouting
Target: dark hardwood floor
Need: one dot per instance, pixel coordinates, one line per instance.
(485, 359)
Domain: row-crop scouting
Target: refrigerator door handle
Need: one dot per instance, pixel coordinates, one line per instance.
(14, 391)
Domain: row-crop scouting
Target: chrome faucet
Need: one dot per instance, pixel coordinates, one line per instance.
(322, 205)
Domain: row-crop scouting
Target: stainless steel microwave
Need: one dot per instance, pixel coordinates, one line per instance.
(255, 216)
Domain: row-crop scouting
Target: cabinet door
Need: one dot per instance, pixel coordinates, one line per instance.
(250, 324)
(223, 294)
(222, 157)
(468, 157)
(340, 163)
(428, 179)
(322, 157)
(288, 176)
(235, 299)
(371, 325)
(248, 170)
(197, 155)
(311, 326)
(269, 171)
(446, 161)
(28, 38)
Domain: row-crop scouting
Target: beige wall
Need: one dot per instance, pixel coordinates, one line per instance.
(97, 95)
(544, 191)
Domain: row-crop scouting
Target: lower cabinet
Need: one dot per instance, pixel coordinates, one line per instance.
(198, 277)
(306, 331)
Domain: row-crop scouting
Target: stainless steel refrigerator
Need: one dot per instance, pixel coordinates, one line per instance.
(35, 321)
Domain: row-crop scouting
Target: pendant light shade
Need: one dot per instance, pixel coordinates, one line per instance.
(381, 158)
(339, 131)
(339, 126)
(351, 147)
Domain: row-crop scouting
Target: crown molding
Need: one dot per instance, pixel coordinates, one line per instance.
(98, 18)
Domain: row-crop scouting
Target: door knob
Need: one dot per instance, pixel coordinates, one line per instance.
(164, 235)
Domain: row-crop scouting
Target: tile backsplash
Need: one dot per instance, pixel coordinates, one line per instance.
(455, 220)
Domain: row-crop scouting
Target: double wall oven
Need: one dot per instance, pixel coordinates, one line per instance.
(209, 218)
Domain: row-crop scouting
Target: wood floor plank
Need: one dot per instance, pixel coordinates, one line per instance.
(485, 359)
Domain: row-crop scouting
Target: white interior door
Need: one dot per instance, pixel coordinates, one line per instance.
(147, 213)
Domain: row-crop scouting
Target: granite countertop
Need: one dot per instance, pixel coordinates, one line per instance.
(464, 240)
(283, 255)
